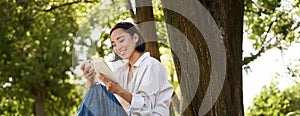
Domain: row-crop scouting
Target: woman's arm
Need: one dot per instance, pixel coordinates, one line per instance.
(154, 94)
(114, 87)
(163, 100)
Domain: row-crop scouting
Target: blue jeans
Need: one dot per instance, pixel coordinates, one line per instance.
(99, 102)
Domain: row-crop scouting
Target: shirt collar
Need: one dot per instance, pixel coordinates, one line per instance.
(141, 59)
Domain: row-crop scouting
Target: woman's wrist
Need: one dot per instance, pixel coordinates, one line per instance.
(125, 95)
(90, 83)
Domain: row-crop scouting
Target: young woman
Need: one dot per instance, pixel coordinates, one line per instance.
(142, 85)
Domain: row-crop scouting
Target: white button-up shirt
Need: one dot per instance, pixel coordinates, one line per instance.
(150, 88)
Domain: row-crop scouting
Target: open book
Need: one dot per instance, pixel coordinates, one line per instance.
(100, 66)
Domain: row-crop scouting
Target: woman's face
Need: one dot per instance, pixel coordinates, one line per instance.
(123, 43)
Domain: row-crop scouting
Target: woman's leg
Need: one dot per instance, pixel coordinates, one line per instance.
(99, 102)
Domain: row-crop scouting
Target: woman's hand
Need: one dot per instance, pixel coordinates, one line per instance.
(114, 87)
(89, 73)
(111, 86)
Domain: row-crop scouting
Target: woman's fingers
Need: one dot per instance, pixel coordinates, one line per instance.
(87, 69)
(82, 67)
(91, 75)
(111, 86)
(103, 78)
(88, 72)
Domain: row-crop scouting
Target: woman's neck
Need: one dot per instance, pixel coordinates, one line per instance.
(134, 57)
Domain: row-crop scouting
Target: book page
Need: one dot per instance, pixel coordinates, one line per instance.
(100, 66)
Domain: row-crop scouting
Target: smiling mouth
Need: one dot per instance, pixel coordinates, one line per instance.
(122, 52)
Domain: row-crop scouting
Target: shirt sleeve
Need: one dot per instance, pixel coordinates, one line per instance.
(154, 93)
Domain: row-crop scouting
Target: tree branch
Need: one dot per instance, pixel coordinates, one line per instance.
(268, 31)
(249, 59)
(67, 4)
(265, 47)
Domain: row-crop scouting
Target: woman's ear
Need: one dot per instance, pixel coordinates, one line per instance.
(135, 37)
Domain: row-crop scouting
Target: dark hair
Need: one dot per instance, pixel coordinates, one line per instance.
(131, 29)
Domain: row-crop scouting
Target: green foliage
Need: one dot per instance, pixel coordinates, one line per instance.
(272, 101)
(36, 42)
(294, 69)
(271, 24)
(92, 38)
(293, 94)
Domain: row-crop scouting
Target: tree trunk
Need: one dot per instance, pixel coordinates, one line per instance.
(228, 16)
(146, 24)
(39, 103)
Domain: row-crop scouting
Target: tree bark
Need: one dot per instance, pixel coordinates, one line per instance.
(145, 22)
(228, 14)
(39, 103)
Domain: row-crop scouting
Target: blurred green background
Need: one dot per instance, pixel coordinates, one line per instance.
(41, 42)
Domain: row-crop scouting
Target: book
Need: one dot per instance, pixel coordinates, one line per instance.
(100, 66)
